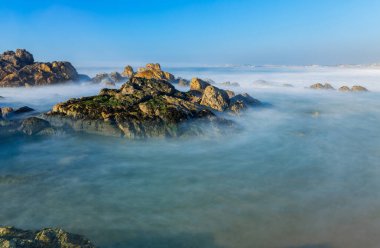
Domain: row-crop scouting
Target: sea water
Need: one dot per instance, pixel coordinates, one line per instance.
(302, 171)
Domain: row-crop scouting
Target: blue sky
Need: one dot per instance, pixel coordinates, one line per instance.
(184, 32)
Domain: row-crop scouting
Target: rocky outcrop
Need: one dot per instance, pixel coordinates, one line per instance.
(181, 82)
(7, 112)
(355, 88)
(198, 84)
(11, 237)
(109, 79)
(320, 86)
(215, 98)
(29, 126)
(18, 69)
(128, 71)
(144, 108)
(153, 71)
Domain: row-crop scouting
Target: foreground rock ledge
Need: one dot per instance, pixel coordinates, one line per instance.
(11, 237)
(144, 108)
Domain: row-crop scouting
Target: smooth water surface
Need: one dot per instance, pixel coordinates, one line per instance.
(304, 171)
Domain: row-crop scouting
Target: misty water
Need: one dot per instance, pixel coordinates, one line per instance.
(302, 171)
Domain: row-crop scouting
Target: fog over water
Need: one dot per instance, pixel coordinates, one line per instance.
(303, 171)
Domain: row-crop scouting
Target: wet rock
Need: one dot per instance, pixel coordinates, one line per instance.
(33, 125)
(11, 237)
(320, 86)
(198, 84)
(344, 89)
(141, 108)
(18, 69)
(153, 71)
(241, 102)
(7, 112)
(108, 79)
(128, 71)
(215, 98)
(358, 88)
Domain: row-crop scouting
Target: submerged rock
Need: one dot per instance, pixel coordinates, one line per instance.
(11, 237)
(18, 69)
(320, 86)
(344, 89)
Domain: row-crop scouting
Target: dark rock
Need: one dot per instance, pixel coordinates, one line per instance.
(320, 86)
(11, 237)
(23, 110)
(83, 77)
(241, 102)
(33, 125)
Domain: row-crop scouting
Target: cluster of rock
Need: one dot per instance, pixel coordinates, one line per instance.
(149, 107)
(109, 79)
(326, 86)
(7, 112)
(11, 237)
(18, 69)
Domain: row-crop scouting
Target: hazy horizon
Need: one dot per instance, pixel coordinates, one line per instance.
(187, 33)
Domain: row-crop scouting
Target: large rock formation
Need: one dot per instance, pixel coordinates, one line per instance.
(109, 78)
(359, 88)
(143, 108)
(153, 71)
(128, 71)
(198, 84)
(46, 238)
(18, 69)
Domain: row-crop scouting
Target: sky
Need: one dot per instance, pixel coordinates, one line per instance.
(194, 32)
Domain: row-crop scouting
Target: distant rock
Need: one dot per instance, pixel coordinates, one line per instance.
(181, 82)
(18, 69)
(230, 84)
(128, 72)
(359, 88)
(344, 89)
(83, 77)
(241, 102)
(153, 71)
(230, 93)
(198, 84)
(320, 86)
(11, 237)
(109, 79)
(288, 85)
(7, 112)
(215, 98)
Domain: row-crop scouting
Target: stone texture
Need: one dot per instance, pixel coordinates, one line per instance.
(153, 71)
(198, 84)
(215, 98)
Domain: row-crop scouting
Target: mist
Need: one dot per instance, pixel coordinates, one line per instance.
(302, 171)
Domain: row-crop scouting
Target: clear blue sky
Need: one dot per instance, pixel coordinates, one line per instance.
(193, 31)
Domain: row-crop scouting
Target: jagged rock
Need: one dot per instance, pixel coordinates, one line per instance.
(23, 110)
(8, 111)
(108, 79)
(33, 125)
(198, 84)
(358, 88)
(241, 102)
(215, 98)
(320, 86)
(19, 69)
(344, 89)
(5, 111)
(153, 71)
(128, 72)
(230, 93)
(11, 237)
(140, 108)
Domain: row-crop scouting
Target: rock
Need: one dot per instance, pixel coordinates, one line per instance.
(5, 111)
(116, 77)
(229, 84)
(11, 237)
(241, 102)
(153, 71)
(357, 88)
(141, 108)
(288, 85)
(108, 79)
(23, 110)
(230, 93)
(33, 125)
(198, 84)
(128, 72)
(83, 77)
(215, 98)
(181, 82)
(320, 86)
(344, 89)
(18, 69)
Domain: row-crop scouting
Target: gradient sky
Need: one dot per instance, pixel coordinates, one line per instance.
(194, 32)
